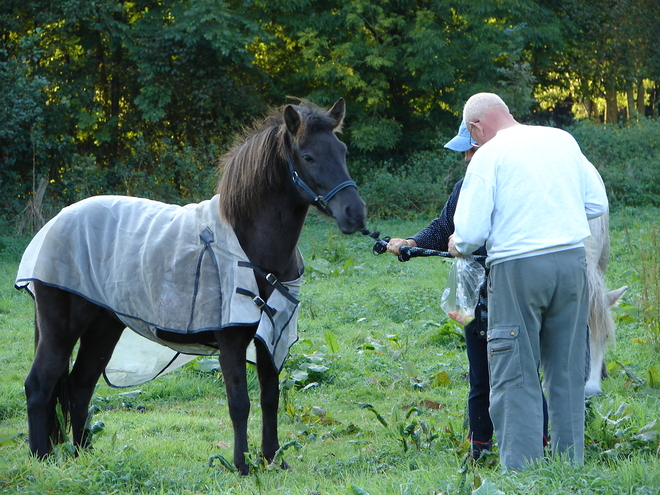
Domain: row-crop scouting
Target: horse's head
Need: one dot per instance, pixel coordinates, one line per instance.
(318, 162)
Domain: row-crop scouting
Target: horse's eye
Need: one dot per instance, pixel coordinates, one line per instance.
(308, 158)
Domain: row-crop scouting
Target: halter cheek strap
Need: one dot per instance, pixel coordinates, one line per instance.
(320, 201)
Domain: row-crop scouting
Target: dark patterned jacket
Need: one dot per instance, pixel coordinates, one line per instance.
(436, 236)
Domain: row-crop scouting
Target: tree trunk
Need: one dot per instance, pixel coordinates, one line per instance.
(641, 93)
(611, 108)
(631, 109)
(589, 107)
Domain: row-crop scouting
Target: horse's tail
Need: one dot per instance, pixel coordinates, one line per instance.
(601, 323)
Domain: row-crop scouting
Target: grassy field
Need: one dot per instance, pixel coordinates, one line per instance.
(374, 393)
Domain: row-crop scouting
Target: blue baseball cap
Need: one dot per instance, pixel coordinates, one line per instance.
(462, 141)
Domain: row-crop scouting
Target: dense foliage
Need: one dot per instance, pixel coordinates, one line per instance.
(104, 96)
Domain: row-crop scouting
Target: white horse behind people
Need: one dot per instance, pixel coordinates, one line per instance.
(601, 323)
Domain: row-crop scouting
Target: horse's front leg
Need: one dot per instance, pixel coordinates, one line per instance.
(233, 343)
(270, 397)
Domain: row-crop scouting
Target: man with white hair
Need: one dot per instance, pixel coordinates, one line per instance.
(528, 193)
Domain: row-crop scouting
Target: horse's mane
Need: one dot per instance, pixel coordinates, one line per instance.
(256, 163)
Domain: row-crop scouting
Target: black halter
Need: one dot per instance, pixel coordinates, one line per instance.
(320, 201)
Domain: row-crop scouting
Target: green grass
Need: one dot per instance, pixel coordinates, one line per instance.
(375, 394)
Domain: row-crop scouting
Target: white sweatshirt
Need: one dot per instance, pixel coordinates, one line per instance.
(528, 191)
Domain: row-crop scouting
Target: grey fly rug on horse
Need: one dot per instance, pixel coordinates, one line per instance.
(159, 267)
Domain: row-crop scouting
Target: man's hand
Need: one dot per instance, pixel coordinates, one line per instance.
(394, 245)
(451, 247)
(454, 315)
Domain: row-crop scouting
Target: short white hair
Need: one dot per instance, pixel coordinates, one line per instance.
(479, 105)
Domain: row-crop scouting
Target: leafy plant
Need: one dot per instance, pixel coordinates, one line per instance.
(256, 461)
(324, 267)
(613, 431)
(422, 432)
(306, 370)
(418, 433)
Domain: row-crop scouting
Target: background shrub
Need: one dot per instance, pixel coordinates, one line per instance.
(627, 157)
(416, 187)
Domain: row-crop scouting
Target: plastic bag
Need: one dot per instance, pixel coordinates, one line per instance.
(461, 296)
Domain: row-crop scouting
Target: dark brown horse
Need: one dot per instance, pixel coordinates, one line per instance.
(271, 177)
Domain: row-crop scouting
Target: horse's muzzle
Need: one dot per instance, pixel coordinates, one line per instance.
(350, 215)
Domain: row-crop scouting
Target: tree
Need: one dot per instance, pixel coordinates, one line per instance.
(94, 81)
(119, 96)
(612, 50)
(405, 67)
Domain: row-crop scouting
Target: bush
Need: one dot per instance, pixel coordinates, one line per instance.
(414, 186)
(627, 157)
(165, 172)
(161, 171)
(418, 187)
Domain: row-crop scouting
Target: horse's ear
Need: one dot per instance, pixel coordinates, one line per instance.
(292, 119)
(338, 111)
(613, 296)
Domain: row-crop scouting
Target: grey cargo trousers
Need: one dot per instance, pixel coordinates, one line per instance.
(538, 310)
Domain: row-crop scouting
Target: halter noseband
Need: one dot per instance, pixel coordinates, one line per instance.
(320, 201)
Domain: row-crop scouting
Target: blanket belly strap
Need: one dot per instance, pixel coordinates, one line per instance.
(257, 300)
(261, 304)
(272, 280)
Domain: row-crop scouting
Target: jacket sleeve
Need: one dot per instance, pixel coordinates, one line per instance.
(436, 235)
(595, 195)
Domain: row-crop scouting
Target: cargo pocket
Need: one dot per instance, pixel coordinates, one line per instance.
(504, 362)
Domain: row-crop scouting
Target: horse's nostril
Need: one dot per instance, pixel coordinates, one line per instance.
(353, 217)
(355, 210)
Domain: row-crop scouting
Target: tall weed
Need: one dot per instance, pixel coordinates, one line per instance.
(649, 295)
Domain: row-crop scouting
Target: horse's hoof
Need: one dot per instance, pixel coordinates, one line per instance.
(284, 465)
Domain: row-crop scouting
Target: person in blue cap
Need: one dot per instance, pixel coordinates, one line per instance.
(436, 236)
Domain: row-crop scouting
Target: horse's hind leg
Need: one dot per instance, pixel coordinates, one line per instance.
(44, 383)
(96, 346)
(270, 398)
(233, 343)
(60, 319)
